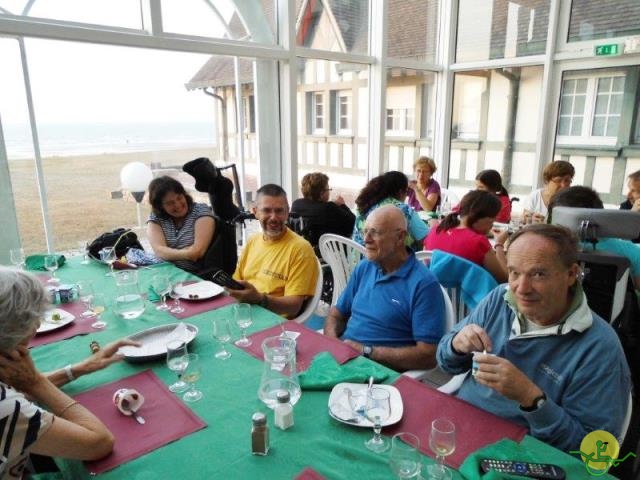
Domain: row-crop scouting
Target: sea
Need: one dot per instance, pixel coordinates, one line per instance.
(97, 138)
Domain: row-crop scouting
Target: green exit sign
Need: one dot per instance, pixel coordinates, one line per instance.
(610, 49)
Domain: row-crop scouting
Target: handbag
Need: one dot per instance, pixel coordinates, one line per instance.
(122, 238)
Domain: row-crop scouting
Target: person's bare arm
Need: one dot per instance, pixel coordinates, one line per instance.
(204, 231)
(289, 306)
(495, 261)
(335, 323)
(420, 356)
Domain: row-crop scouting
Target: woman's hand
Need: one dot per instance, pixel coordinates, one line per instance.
(103, 357)
(17, 369)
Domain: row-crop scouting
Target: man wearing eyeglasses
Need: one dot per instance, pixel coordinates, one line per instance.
(278, 268)
(392, 308)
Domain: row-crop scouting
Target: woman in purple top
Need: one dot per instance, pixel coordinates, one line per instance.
(424, 191)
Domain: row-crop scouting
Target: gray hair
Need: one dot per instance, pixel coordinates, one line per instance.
(23, 301)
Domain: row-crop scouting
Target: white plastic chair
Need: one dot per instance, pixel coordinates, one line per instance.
(424, 255)
(342, 255)
(627, 420)
(312, 303)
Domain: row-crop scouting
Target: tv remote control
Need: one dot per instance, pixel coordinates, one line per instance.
(526, 469)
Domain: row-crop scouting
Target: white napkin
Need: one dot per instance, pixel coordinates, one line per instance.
(157, 344)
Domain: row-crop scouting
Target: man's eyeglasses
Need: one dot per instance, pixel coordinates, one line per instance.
(375, 234)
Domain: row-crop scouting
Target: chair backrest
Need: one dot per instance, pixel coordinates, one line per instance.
(312, 303)
(424, 256)
(342, 254)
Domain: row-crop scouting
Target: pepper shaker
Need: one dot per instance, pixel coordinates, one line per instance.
(259, 434)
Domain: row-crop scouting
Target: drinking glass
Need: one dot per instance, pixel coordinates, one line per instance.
(85, 293)
(405, 457)
(83, 246)
(108, 256)
(222, 333)
(177, 361)
(377, 410)
(162, 287)
(17, 257)
(442, 441)
(175, 294)
(191, 375)
(242, 315)
(51, 264)
(99, 305)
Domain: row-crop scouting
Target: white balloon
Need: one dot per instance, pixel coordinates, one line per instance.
(135, 176)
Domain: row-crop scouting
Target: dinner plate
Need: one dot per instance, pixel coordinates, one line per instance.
(340, 410)
(199, 291)
(49, 324)
(154, 341)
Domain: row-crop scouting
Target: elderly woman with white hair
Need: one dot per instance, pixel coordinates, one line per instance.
(43, 419)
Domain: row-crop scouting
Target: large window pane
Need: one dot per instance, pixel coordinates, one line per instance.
(495, 126)
(489, 29)
(592, 19)
(336, 26)
(413, 29)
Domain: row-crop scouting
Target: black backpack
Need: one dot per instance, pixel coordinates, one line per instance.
(128, 239)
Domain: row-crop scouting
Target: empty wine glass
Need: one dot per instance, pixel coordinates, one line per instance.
(175, 294)
(17, 257)
(242, 315)
(405, 457)
(99, 305)
(83, 246)
(162, 287)
(442, 441)
(177, 361)
(377, 410)
(51, 264)
(222, 333)
(108, 256)
(85, 293)
(191, 375)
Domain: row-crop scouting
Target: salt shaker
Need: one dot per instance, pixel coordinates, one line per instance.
(259, 434)
(283, 410)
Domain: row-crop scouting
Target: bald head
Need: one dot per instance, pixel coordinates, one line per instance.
(384, 235)
(387, 217)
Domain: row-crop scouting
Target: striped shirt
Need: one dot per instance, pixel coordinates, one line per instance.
(21, 423)
(183, 236)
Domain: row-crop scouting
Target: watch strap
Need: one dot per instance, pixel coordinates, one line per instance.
(537, 403)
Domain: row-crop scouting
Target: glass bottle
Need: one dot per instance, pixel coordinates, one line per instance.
(259, 434)
(283, 410)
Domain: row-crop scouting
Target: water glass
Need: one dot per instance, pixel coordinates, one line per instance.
(85, 293)
(442, 441)
(51, 264)
(191, 375)
(162, 286)
(108, 256)
(242, 316)
(377, 410)
(222, 333)
(405, 455)
(175, 294)
(99, 306)
(83, 246)
(17, 257)
(177, 361)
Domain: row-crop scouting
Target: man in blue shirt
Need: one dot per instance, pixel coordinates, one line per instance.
(392, 308)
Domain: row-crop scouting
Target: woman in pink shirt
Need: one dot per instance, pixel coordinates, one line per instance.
(491, 181)
(464, 233)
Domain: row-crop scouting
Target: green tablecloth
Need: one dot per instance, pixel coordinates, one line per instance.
(222, 450)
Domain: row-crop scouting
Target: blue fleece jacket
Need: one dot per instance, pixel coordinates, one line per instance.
(579, 364)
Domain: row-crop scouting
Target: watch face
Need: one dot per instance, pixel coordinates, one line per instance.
(366, 351)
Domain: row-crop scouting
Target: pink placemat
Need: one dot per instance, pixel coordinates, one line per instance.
(308, 345)
(309, 474)
(167, 419)
(80, 326)
(192, 307)
(475, 428)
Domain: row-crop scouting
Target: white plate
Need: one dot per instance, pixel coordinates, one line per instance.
(340, 410)
(49, 324)
(199, 291)
(154, 341)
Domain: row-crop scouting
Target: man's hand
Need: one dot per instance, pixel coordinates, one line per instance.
(104, 357)
(17, 369)
(355, 345)
(505, 378)
(247, 295)
(339, 200)
(472, 338)
(635, 206)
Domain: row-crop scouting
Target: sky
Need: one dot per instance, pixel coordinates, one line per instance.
(78, 82)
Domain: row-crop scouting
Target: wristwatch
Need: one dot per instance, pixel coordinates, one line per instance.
(367, 351)
(537, 403)
(264, 301)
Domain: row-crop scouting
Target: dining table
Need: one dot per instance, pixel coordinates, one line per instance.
(317, 446)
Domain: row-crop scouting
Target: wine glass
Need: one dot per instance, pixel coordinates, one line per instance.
(442, 441)
(191, 375)
(51, 264)
(83, 246)
(405, 457)
(242, 315)
(85, 293)
(377, 410)
(222, 333)
(162, 287)
(175, 293)
(17, 257)
(108, 256)
(177, 361)
(99, 305)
